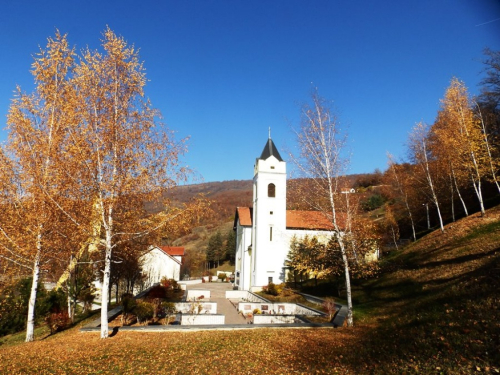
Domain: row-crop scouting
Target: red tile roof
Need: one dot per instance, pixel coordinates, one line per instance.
(307, 220)
(245, 216)
(172, 251)
(294, 219)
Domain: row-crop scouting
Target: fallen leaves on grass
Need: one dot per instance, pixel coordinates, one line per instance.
(270, 351)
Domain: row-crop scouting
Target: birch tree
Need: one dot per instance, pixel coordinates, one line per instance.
(32, 233)
(445, 145)
(319, 158)
(391, 225)
(420, 153)
(491, 150)
(124, 155)
(399, 181)
(458, 109)
(86, 152)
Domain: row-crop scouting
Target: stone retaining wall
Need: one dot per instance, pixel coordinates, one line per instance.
(199, 307)
(202, 319)
(280, 308)
(245, 296)
(273, 319)
(195, 294)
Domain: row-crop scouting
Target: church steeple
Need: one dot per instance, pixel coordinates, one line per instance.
(270, 150)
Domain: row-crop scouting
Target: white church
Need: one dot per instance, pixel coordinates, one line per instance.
(264, 232)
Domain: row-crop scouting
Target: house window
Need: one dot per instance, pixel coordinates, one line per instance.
(270, 212)
(271, 190)
(272, 166)
(269, 280)
(270, 233)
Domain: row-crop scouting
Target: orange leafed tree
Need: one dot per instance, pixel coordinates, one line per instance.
(86, 152)
(122, 155)
(469, 143)
(34, 231)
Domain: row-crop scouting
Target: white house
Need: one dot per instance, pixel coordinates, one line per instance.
(161, 261)
(264, 232)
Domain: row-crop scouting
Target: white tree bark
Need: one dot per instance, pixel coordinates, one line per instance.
(431, 184)
(105, 291)
(320, 160)
(474, 168)
(458, 192)
(418, 145)
(488, 148)
(30, 325)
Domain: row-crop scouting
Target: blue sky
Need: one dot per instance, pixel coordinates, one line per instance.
(223, 72)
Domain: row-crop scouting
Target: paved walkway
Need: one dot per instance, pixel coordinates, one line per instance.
(224, 306)
(233, 320)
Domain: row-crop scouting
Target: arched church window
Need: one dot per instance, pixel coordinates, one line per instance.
(271, 190)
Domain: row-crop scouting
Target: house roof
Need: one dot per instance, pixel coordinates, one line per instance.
(172, 251)
(244, 214)
(168, 252)
(270, 149)
(294, 219)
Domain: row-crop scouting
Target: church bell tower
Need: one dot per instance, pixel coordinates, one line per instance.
(269, 218)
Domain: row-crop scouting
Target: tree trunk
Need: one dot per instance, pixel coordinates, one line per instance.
(105, 286)
(70, 313)
(30, 326)
(475, 173)
(394, 237)
(431, 185)
(488, 149)
(414, 233)
(459, 194)
(479, 194)
(452, 199)
(117, 291)
(350, 321)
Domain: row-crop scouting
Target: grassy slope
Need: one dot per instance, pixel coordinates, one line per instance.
(435, 309)
(438, 301)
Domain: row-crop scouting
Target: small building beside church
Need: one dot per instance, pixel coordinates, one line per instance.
(264, 231)
(159, 262)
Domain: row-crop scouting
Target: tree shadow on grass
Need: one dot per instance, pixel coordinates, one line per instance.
(452, 328)
(114, 332)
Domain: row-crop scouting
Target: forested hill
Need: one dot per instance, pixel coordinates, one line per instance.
(227, 195)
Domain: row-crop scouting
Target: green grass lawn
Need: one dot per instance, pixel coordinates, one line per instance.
(435, 308)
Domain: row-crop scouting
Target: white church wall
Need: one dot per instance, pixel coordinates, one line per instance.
(242, 269)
